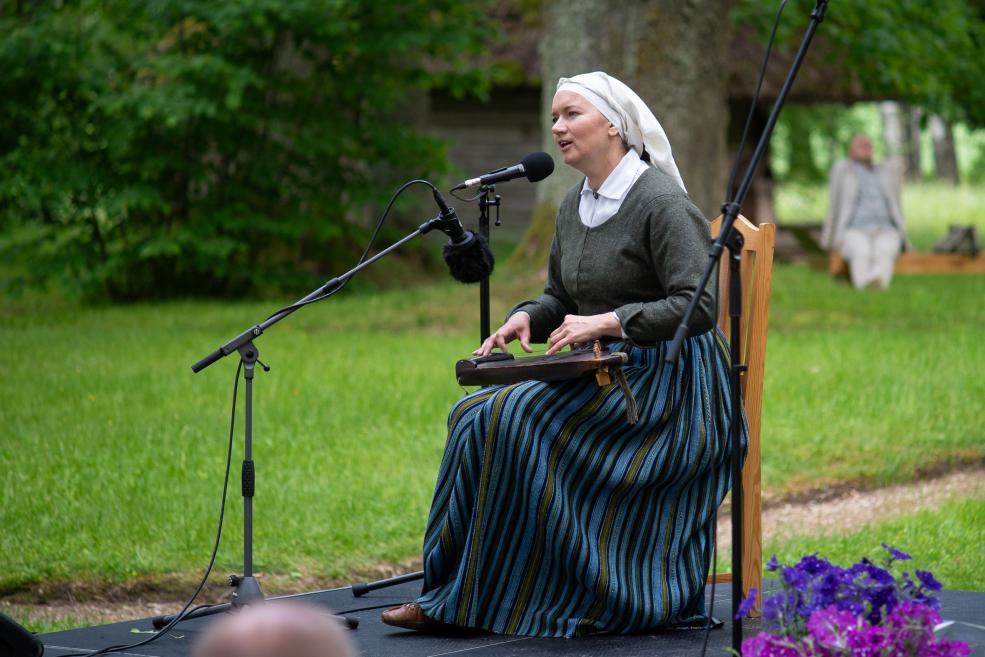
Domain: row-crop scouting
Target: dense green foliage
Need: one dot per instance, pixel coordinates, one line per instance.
(925, 53)
(809, 139)
(927, 56)
(153, 149)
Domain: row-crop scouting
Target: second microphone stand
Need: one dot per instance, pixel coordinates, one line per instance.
(247, 589)
(731, 239)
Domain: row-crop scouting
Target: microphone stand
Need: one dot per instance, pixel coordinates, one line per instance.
(247, 589)
(732, 240)
(360, 589)
(484, 204)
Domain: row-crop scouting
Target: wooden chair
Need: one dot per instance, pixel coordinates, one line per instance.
(757, 276)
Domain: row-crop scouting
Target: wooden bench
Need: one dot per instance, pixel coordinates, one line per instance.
(918, 262)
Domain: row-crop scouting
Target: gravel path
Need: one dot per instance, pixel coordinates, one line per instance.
(856, 509)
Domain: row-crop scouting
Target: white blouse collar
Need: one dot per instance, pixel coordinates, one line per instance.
(620, 180)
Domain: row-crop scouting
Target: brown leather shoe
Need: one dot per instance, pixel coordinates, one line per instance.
(410, 616)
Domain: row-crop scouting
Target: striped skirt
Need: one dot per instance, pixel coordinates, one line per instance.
(553, 516)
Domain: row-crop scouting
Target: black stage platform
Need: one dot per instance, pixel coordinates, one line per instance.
(374, 639)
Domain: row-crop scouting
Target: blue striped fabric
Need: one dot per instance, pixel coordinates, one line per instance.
(553, 516)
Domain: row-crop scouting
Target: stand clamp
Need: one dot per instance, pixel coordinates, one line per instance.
(484, 202)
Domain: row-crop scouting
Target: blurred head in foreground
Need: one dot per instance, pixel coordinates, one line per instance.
(278, 629)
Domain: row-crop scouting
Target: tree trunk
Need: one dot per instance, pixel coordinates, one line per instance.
(757, 206)
(892, 128)
(911, 136)
(672, 54)
(945, 160)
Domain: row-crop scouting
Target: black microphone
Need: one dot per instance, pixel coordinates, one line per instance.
(448, 222)
(535, 167)
(467, 254)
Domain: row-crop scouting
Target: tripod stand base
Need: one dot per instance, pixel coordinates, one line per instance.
(160, 622)
(247, 590)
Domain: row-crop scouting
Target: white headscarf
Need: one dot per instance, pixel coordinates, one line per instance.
(629, 114)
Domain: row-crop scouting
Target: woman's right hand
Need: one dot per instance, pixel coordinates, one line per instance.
(517, 327)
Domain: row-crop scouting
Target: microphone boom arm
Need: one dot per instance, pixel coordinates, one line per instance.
(439, 222)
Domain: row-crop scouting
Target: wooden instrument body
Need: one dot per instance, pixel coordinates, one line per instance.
(502, 368)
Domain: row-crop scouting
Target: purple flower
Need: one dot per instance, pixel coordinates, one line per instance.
(854, 606)
(928, 600)
(823, 610)
(829, 626)
(831, 584)
(795, 578)
(911, 626)
(879, 575)
(865, 640)
(915, 614)
(769, 645)
(928, 580)
(746, 605)
(779, 611)
(896, 555)
(814, 565)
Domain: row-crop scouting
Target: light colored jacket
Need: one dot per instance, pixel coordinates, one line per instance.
(844, 193)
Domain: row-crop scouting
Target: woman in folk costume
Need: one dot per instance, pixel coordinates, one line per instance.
(553, 515)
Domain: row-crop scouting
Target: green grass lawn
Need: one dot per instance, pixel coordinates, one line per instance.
(116, 450)
(113, 451)
(948, 541)
(871, 385)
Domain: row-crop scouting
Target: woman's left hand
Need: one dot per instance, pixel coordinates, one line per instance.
(576, 329)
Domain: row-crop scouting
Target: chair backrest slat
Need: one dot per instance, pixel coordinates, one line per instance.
(757, 277)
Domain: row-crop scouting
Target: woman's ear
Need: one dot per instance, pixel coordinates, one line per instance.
(613, 130)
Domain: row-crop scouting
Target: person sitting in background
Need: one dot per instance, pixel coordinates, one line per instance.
(865, 220)
(275, 629)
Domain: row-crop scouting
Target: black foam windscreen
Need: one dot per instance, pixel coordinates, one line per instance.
(471, 260)
(537, 166)
(15, 641)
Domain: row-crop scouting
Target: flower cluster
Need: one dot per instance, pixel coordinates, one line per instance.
(823, 610)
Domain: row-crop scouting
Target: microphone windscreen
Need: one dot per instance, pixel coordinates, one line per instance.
(538, 166)
(470, 261)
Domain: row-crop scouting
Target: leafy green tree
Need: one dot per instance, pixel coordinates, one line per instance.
(810, 138)
(191, 146)
(925, 53)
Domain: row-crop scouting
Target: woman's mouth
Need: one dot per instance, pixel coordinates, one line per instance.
(564, 143)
